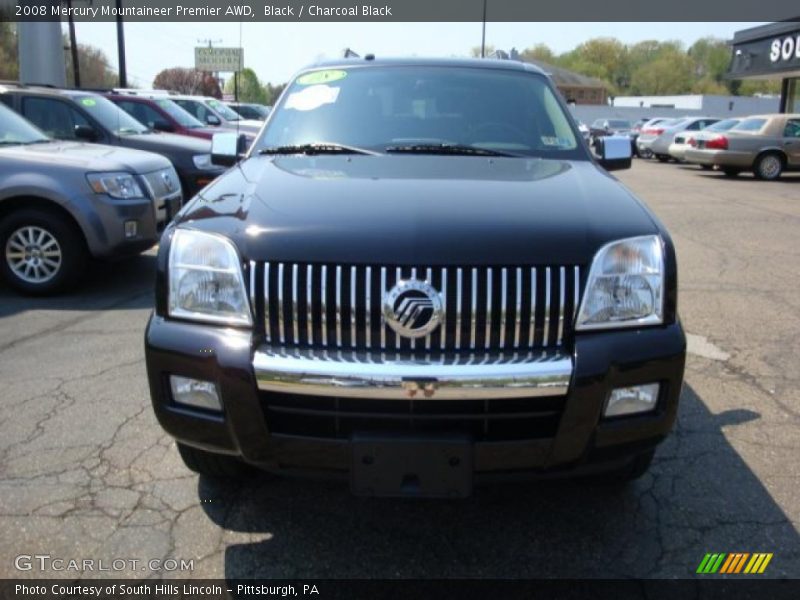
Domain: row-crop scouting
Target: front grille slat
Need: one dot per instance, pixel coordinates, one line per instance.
(339, 306)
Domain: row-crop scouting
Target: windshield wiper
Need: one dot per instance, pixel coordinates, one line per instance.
(315, 148)
(455, 149)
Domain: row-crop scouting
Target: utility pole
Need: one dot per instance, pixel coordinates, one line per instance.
(123, 72)
(483, 32)
(73, 45)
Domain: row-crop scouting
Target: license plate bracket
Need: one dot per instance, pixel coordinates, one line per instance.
(411, 466)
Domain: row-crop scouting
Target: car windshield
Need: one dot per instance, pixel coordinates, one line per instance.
(619, 124)
(403, 108)
(15, 130)
(109, 115)
(723, 125)
(226, 111)
(750, 125)
(176, 112)
(248, 111)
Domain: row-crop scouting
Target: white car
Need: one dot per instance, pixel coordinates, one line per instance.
(685, 139)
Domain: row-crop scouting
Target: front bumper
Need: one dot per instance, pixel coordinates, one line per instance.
(252, 382)
(104, 223)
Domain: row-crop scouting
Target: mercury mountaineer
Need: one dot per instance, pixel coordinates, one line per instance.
(418, 278)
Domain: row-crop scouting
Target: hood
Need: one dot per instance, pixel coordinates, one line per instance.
(167, 142)
(424, 210)
(248, 126)
(88, 157)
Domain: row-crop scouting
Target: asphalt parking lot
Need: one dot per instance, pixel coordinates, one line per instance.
(86, 472)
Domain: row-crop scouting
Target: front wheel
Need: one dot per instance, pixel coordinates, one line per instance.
(768, 167)
(42, 253)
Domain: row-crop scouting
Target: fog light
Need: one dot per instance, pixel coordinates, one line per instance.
(131, 228)
(630, 400)
(193, 392)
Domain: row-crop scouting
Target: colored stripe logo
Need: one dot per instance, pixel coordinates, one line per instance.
(734, 563)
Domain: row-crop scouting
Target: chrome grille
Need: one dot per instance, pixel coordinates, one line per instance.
(485, 308)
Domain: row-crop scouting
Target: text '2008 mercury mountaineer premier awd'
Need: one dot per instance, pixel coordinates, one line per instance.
(418, 278)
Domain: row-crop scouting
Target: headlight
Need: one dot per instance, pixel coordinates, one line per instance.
(202, 161)
(625, 286)
(205, 279)
(116, 185)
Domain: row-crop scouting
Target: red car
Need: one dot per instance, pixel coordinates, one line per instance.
(162, 114)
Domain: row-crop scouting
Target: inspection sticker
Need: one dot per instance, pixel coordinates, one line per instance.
(321, 77)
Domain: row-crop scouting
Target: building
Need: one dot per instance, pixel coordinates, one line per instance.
(576, 88)
(720, 106)
(770, 51)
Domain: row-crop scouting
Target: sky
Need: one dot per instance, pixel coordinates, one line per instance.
(276, 50)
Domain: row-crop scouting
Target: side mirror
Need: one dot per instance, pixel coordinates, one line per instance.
(212, 119)
(163, 126)
(86, 133)
(614, 152)
(227, 148)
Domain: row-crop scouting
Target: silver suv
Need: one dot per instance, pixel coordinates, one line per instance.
(64, 202)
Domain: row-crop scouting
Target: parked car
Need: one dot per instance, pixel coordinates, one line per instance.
(647, 126)
(85, 116)
(685, 140)
(162, 114)
(767, 145)
(603, 127)
(583, 128)
(249, 110)
(62, 202)
(659, 144)
(417, 304)
(215, 113)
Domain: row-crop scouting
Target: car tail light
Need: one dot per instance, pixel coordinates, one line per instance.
(658, 131)
(719, 142)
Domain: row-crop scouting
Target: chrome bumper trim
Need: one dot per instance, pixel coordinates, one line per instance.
(385, 377)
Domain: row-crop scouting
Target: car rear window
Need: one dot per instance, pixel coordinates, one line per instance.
(750, 125)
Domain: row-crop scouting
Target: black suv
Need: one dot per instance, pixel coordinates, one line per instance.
(77, 115)
(417, 278)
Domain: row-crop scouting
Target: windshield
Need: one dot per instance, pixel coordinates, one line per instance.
(618, 124)
(750, 125)
(398, 106)
(16, 130)
(183, 118)
(226, 111)
(109, 115)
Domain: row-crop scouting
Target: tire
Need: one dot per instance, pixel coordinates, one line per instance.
(731, 172)
(646, 153)
(216, 466)
(768, 166)
(662, 158)
(630, 472)
(42, 253)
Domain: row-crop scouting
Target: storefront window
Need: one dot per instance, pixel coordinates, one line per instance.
(793, 96)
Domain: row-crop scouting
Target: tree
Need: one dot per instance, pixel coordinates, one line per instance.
(671, 73)
(250, 88)
(94, 67)
(187, 81)
(273, 92)
(539, 52)
(475, 51)
(9, 64)
(603, 58)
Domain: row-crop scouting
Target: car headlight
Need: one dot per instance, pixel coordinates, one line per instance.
(203, 162)
(117, 185)
(205, 279)
(625, 286)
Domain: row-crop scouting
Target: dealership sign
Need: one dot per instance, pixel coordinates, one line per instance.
(218, 59)
(785, 49)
